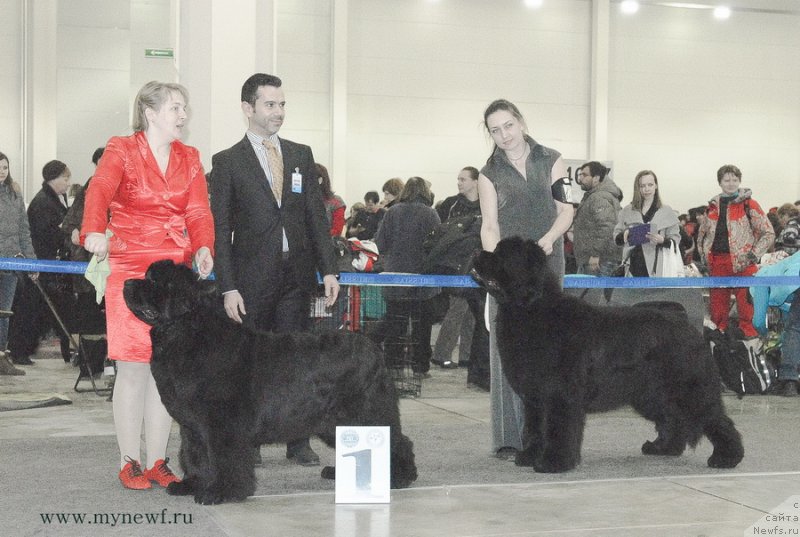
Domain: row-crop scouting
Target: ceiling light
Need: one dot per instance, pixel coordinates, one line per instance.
(629, 7)
(534, 3)
(722, 12)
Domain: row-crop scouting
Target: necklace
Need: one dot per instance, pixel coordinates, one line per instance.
(524, 153)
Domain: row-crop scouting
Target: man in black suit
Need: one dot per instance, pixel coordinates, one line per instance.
(271, 236)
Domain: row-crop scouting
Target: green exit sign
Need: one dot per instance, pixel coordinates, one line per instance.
(158, 53)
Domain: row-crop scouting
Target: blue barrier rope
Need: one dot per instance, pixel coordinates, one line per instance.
(571, 281)
(42, 265)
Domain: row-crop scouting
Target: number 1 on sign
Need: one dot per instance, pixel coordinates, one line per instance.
(363, 460)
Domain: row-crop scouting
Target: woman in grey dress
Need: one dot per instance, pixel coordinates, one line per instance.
(517, 198)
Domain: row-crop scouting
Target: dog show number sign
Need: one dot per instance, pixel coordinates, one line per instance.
(362, 465)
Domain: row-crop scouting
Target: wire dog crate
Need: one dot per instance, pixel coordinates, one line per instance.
(362, 309)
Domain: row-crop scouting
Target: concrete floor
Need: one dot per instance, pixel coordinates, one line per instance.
(462, 490)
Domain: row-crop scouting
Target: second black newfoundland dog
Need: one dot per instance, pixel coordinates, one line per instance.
(231, 389)
(565, 358)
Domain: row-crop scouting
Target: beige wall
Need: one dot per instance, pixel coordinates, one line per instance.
(686, 93)
(93, 82)
(689, 94)
(11, 84)
(422, 73)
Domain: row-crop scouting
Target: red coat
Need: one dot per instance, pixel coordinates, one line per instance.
(152, 217)
(146, 207)
(750, 234)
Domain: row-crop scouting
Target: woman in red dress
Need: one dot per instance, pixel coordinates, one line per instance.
(154, 189)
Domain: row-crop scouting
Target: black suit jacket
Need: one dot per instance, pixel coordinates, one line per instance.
(248, 221)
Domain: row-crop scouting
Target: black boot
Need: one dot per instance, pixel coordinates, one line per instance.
(22, 360)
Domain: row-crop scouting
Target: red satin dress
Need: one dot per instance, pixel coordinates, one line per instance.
(153, 217)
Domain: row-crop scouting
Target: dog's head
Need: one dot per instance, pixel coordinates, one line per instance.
(516, 272)
(168, 291)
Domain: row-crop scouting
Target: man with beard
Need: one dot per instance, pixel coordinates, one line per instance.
(596, 252)
(272, 235)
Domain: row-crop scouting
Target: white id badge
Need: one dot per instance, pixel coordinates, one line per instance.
(297, 181)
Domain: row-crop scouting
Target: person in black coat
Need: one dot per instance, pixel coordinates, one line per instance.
(47, 210)
(45, 214)
(465, 203)
(399, 239)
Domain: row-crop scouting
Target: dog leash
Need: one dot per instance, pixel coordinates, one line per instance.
(55, 313)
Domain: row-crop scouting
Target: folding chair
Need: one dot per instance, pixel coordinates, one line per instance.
(85, 367)
(84, 364)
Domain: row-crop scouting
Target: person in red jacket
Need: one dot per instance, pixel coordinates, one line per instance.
(155, 190)
(732, 239)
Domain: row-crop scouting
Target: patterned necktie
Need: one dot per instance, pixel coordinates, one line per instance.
(275, 168)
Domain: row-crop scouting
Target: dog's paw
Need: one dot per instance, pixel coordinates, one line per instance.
(209, 497)
(402, 482)
(403, 478)
(650, 448)
(404, 472)
(328, 472)
(205, 498)
(719, 461)
(181, 488)
(217, 495)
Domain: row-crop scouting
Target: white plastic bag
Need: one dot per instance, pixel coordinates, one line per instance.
(671, 265)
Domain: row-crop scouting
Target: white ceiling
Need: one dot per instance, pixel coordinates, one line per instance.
(784, 6)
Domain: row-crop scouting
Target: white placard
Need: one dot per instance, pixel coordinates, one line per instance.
(362, 464)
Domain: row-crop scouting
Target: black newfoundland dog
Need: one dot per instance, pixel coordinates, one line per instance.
(565, 358)
(231, 389)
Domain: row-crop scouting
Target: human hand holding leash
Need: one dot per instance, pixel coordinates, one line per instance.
(204, 262)
(546, 244)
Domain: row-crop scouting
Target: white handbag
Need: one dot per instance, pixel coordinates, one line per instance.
(671, 265)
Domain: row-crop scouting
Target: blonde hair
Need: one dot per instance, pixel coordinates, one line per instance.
(153, 95)
(638, 200)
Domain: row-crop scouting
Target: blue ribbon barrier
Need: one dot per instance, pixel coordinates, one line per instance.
(42, 265)
(571, 281)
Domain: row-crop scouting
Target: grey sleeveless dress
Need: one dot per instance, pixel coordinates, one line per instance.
(525, 208)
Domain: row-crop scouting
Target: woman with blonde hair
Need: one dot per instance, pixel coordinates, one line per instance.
(155, 190)
(645, 257)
